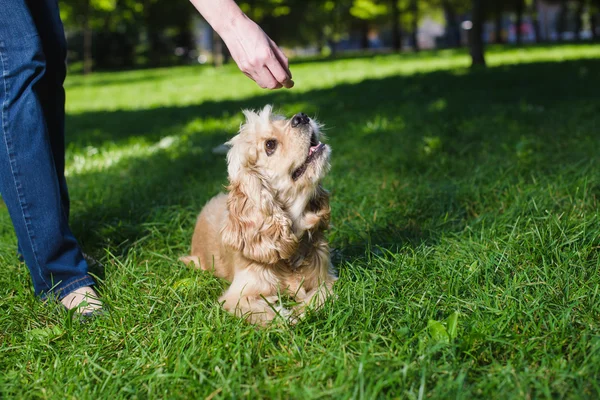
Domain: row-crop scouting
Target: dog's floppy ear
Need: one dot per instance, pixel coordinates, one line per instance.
(242, 151)
(257, 225)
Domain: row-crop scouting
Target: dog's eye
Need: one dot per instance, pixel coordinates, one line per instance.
(270, 146)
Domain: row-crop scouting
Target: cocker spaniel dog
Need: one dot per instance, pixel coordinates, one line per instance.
(266, 235)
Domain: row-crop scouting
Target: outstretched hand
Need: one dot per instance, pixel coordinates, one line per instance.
(253, 51)
(257, 55)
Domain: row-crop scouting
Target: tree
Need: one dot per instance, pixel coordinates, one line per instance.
(86, 8)
(562, 18)
(579, 19)
(476, 34)
(452, 8)
(167, 25)
(594, 14)
(367, 12)
(86, 14)
(520, 5)
(396, 30)
(498, 22)
(113, 32)
(414, 8)
(536, 21)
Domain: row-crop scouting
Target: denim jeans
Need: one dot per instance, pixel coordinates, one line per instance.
(32, 144)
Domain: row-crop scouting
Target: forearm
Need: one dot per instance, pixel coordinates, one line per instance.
(222, 15)
(253, 51)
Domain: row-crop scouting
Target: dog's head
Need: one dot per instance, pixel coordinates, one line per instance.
(275, 166)
(288, 153)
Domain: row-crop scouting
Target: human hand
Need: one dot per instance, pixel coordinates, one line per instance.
(257, 56)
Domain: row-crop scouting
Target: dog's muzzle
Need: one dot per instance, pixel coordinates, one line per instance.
(300, 119)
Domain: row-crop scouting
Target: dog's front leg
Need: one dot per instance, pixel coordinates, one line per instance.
(250, 297)
(315, 298)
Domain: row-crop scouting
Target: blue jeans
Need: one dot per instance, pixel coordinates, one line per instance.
(32, 144)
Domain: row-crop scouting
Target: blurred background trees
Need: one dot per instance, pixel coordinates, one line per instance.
(117, 34)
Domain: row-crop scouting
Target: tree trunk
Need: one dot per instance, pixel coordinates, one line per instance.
(396, 32)
(562, 19)
(579, 19)
(594, 16)
(154, 53)
(498, 23)
(364, 34)
(322, 42)
(536, 21)
(414, 8)
(594, 26)
(333, 38)
(333, 46)
(185, 37)
(226, 53)
(152, 15)
(452, 33)
(519, 23)
(87, 39)
(476, 34)
(217, 50)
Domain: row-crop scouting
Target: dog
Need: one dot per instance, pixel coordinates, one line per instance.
(267, 234)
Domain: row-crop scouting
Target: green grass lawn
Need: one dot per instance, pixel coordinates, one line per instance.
(466, 234)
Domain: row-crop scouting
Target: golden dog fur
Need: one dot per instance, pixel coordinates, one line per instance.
(266, 235)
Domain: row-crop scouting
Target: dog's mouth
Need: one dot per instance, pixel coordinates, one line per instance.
(315, 150)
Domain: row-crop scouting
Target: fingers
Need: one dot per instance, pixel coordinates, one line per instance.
(283, 60)
(279, 67)
(271, 76)
(268, 68)
(257, 55)
(261, 75)
(266, 80)
(277, 71)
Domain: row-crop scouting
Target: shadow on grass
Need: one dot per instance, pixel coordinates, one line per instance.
(414, 156)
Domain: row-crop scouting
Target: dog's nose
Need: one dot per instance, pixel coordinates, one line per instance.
(300, 119)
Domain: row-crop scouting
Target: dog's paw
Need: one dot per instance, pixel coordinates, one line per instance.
(189, 259)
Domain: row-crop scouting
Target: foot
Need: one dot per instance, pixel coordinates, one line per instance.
(84, 300)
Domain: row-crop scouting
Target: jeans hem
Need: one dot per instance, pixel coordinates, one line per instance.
(61, 290)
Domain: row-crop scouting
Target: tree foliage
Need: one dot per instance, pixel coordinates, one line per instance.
(123, 33)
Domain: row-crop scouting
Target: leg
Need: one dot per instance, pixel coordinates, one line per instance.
(46, 17)
(30, 180)
(252, 298)
(315, 298)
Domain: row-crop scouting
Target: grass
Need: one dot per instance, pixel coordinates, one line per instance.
(466, 235)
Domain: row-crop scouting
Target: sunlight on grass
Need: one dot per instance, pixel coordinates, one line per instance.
(94, 159)
(192, 85)
(110, 154)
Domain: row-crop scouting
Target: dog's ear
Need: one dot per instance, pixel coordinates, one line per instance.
(257, 225)
(242, 151)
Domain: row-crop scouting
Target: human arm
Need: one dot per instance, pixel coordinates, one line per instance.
(253, 51)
